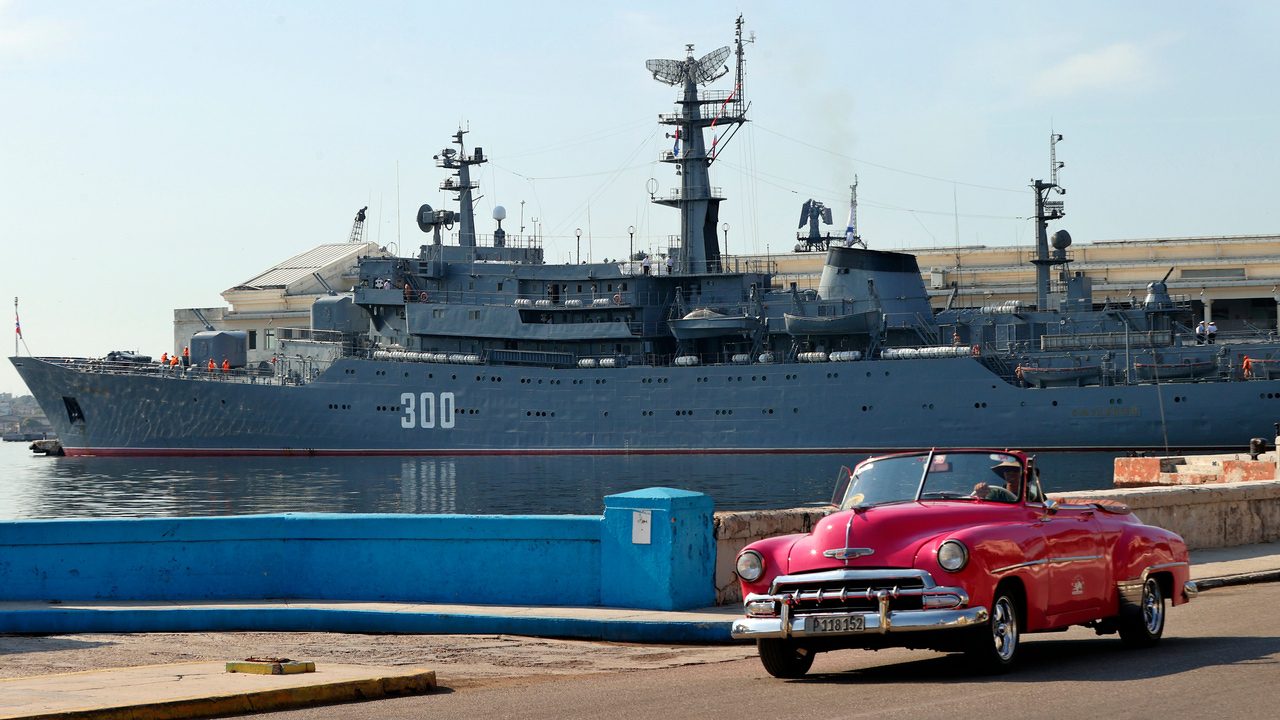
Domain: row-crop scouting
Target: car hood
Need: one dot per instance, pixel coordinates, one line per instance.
(893, 533)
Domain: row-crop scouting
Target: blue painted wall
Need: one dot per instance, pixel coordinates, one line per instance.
(500, 560)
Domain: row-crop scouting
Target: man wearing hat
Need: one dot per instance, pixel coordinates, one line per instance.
(1010, 472)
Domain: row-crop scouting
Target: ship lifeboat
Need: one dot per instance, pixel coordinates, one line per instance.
(1175, 371)
(1060, 376)
(705, 323)
(848, 324)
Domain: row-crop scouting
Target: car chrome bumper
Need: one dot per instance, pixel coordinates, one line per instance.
(750, 628)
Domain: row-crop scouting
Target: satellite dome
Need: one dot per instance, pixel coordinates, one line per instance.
(499, 213)
(1061, 240)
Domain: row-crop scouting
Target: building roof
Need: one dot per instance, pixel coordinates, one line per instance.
(302, 265)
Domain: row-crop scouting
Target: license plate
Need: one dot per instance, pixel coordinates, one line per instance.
(838, 624)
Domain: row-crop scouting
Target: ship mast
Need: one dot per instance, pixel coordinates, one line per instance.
(1047, 210)
(698, 247)
(461, 162)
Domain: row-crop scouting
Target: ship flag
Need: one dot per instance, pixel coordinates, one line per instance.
(17, 323)
(675, 149)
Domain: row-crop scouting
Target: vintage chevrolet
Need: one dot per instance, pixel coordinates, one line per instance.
(959, 551)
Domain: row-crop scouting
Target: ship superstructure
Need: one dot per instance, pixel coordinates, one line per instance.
(482, 347)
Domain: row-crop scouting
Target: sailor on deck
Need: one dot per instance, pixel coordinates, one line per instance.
(1202, 331)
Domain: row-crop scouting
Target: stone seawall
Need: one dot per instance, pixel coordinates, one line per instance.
(1206, 516)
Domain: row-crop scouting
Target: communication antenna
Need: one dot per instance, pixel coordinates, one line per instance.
(1054, 164)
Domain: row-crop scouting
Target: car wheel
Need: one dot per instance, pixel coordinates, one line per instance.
(784, 659)
(993, 647)
(1142, 625)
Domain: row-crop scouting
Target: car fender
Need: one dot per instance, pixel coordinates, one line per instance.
(776, 552)
(1145, 549)
(997, 552)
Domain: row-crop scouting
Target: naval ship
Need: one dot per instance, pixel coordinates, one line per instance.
(479, 346)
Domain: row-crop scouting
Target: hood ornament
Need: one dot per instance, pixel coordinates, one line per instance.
(847, 553)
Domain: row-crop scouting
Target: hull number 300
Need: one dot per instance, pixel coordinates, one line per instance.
(423, 410)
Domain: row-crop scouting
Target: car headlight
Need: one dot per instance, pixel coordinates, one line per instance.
(750, 566)
(952, 555)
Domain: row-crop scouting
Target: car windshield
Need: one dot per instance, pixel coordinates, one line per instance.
(951, 476)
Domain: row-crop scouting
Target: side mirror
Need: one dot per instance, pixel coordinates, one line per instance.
(1050, 507)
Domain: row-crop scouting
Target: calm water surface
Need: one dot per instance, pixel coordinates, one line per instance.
(33, 486)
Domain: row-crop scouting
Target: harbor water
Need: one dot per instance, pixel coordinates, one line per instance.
(34, 486)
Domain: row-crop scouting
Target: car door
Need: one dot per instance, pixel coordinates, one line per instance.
(1077, 564)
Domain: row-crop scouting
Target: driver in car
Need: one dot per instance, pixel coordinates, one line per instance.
(1010, 473)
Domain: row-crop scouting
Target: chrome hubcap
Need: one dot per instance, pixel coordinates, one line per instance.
(1152, 606)
(1004, 629)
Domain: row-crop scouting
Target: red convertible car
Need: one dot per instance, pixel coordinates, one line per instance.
(955, 550)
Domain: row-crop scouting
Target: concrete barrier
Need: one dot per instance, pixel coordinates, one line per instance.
(1206, 516)
(656, 543)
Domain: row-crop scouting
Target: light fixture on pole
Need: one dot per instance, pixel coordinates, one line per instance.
(578, 233)
(631, 250)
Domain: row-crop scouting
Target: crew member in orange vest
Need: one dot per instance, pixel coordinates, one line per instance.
(164, 358)
(173, 362)
(226, 365)
(212, 366)
(186, 357)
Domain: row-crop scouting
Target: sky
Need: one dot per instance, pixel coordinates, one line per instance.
(154, 154)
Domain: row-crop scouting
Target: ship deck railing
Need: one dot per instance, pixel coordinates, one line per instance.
(281, 374)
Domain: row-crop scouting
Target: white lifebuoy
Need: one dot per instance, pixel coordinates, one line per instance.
(617, 299)
(422, 296)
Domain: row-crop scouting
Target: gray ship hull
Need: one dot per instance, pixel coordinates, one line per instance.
(372, 407)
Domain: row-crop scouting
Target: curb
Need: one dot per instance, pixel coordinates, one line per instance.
(254, 702)
(61, 620)
(1249, 578)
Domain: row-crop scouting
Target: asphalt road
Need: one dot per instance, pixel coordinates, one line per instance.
(1220, 658)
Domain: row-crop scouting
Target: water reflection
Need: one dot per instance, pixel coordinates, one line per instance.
(38, 487)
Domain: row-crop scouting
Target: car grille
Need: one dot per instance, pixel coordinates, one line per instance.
(855, 595)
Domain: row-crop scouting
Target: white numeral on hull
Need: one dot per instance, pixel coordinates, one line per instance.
(420, 410)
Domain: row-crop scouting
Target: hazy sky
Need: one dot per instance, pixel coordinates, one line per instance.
(153, 154)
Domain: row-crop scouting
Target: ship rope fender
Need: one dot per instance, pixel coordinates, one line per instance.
(977, 350)
(422, 296)
(617, 299)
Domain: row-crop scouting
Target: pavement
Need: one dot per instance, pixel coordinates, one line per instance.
(204, 689)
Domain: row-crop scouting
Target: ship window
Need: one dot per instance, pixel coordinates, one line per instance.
(253, 339)
(74, 413)
(268, 339)
(623, 287)
(437, 313)
(473, 314)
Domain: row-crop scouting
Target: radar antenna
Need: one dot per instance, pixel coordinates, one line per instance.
(709, 68)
